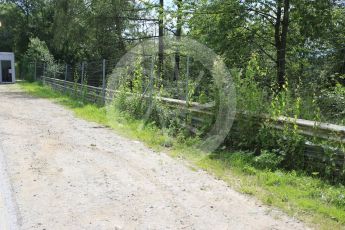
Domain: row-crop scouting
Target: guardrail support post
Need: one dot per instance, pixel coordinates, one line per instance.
(103, 81)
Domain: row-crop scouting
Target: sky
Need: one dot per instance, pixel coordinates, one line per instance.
(168, 3)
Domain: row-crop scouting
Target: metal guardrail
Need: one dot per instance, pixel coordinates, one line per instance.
(309, 128)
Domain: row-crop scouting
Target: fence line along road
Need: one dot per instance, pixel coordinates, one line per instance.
(321, 130)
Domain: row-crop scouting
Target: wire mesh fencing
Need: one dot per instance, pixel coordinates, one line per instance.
(95, 74)
(89, 80)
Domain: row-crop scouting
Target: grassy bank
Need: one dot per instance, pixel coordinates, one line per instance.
(310, 199)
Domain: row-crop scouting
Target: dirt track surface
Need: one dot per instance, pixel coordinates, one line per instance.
(61, 172)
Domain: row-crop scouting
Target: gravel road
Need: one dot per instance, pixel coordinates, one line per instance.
(60, 172)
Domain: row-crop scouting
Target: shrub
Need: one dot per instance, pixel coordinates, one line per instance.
(332, 103)
(38, 52)
(268, 160)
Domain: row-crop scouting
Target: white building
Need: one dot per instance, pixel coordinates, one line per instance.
(7, 68)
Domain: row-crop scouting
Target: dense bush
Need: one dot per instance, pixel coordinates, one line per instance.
(38, 54)
(268, 160)
(332, 103)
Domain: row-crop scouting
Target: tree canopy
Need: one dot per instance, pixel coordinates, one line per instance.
(293, 41)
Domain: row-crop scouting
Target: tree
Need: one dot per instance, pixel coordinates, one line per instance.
(10, 17)
(38, 51)
(281, 28)
(160, 42)
(93, 29)
(277, 14)
(178, 34)
(285, 33)
(70, 30)
(34, 21)
(108, 21)
(337, 39)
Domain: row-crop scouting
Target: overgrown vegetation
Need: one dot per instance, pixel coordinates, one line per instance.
(253, 129)
(286, 58)
(36, 55)
(305, 197)
(299, 42)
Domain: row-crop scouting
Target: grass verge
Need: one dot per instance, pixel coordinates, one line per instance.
(309, 199)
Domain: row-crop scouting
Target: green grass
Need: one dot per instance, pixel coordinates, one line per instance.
(309, 199)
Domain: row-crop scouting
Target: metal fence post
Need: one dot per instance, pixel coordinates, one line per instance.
(151, 76)
(82, 79)
(187, 76)
(54, 72)
(44, 72)
(65, 80)
(187, 92)
(35, 75)
(103, 81)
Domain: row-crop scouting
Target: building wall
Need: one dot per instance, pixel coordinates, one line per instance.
(5, 56)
